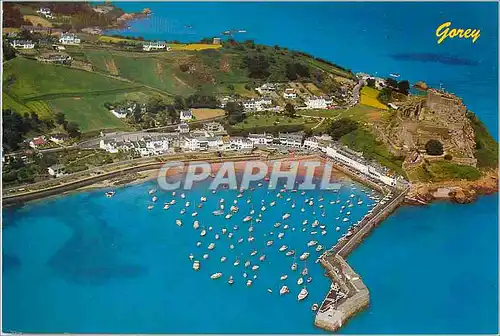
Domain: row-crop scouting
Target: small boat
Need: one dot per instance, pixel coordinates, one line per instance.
(249, 283)
(247, 218)
(196, 225)
(240, 240)
(166, 206)
(223, 259)
(229, 215)
(178, 222)
(269, 243)
(285, 216)
(150, 207)
(237, 262)
(262, 257)
(281, 235)
(277, 224)
(217, 236)
(337, 228)
(304, 256)
(270, 290)
(345, 219)
(300, 281)
(283, 248)
(315, 307)
(285, 227)
(203, 233)
(172, 202)
(183, 211)
(231, 280)
(293, 205)
(305, 271)
(110, 194)
(255, 267)
(203, 199)
(304, 222)
(290, 253)
(231, 247)
(217, 212)
(191, 256)
(216, 275)
(284, 290)
(303, 294)
(247, 263)
(235, 227)
(263, 208)
(211, 246)
(183, 195)
(205, 256)
(196, 265)
(309, 279)
(395, 75)
(273, 203)
(319, 248)
(251, 239)
(198, 244)
(245, 275)
(284, 277)
(187, 204)
(230, 235)
(224, 230)
(253, 253)
(312, 243)
(294, 267)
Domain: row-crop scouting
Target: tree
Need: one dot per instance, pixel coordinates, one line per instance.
(434, 147)
(60, 118)
(234, 112)
(289, 110)
(385, 95)
(391, 82)
(72, 129)
(8, 51)
(179, 103)
(404, 87)
(341, 127)
(370, 82)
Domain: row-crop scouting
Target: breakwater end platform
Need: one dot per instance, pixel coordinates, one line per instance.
(348, 294)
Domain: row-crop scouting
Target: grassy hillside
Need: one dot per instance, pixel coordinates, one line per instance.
(486, 146)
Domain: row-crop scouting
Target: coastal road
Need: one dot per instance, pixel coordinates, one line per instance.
(356, 91)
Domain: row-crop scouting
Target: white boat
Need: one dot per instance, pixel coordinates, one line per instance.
(229, 215)
(283, 248)
(151, 191)
(247, 263)
(315, 307)
(273, 203)
(270, 290)
(312, 243)
(304, 222)
(249, 283)
(194, 214)
(263, 208)
(172, 202)
(303, 294)
(198, 244)
(234, 208)
(187, 204)
(245, 275)
(211, 246)
(269, 242)
(395, 75)
(191, 256)
(319, 248)
(183, 211)
(323, 232)
(293, 205)
(262, 257)
(196, 265)
(285, 227)
(203, 232)
(253, 253)
(300, 281)
(230, 235)
(173, 193)
(304, 256)
(281, 235)
(237, 262)
(217, 212)
(110, 194)
(290, 253)
(277, 224)
(150, 207)
(251, 239)
(309, 279)
(216, 275)
(285, 216)
(231, 247)
(178, 222)
(345, 219)
(196, 225)
(337, 228)
(217, 236)
(203, 199)
(284, 277)
(302, 210)
(294, 266)
(183, 195)
(205, 256)
(311, 203)
(255, 267)
(247, 218)
(222, 259)
(240, 240)
(224, 230)
(166, 206)
(284, 290)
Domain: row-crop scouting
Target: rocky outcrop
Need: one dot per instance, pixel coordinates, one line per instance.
(421, 85)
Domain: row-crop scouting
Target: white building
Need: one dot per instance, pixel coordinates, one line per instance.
(213, 127)
(155, 45)
(146, 146)
(23, 44)
(186, 115)
(318, 102)
(57, 170)
(259, 104)
(266, 88)
(289, 94)
(202, 143)
(241, 143)
(44, 11)
(69, 39)
(260, 139)
(290, 139)
(58, 138)
(356, 164)
(182, 128)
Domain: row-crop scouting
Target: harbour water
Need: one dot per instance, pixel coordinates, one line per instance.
(85, 263)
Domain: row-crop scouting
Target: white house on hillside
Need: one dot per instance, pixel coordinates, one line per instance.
(186, 115)
(240, 143)
(289, 94)
(318, 102)
(291, 139)
(69, 38)
(261, 139)
(57, 170)
(23, 44)
(155, 45)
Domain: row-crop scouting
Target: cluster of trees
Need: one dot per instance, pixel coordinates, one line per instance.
(341, 127)
(8, 51)
(257, 66)
(297, 70)
(234, 112)
(401, 86)
(16, 126)
(434, 147)
(70, 127)
(12, 16)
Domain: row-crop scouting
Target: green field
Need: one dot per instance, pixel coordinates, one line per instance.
(443, 171)
(26, 79)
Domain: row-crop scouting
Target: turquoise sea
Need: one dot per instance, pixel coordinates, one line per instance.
(86, 263)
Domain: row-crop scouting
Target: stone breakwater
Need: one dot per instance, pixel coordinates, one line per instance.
(348, 294)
